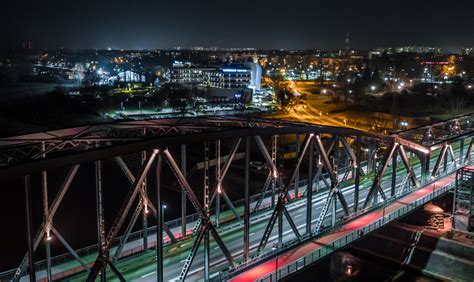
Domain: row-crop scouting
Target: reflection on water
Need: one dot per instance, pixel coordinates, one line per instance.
(353, 266)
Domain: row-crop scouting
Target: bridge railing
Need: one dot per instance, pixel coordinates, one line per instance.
(351, 237)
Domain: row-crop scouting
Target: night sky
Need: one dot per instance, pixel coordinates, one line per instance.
(268, 24)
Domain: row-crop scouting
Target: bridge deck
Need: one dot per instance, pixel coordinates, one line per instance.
(266, 269)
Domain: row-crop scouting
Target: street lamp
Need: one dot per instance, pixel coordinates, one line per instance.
(276, 264)
(162, 219)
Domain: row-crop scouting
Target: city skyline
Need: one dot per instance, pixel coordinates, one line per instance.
(263, 25)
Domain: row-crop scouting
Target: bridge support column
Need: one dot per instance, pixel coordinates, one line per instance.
(29, 228)
(461, 152)
(100, 216)
(274, 161)
(357, 175)
(280, 229)
(371, 162)
(394, 174)
(160, 221)
(445, 162)
(44, 186)
(297, 177)
(335, 165)
(309, 190)
(183, 193)
(145, 210)
(425, 168)
(218, 179)
(206, 210)
(333, 208)
(246, 201)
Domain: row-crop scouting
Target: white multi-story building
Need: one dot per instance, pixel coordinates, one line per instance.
(234, 76)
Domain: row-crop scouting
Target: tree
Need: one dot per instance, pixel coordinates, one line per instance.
(179, 98)
(282, 92)
(458, 96)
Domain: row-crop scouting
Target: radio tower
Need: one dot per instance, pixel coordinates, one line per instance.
(348, 41)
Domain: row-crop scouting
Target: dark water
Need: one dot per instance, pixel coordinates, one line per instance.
(353, 266)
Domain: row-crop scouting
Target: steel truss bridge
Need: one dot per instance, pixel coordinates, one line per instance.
(347, 174)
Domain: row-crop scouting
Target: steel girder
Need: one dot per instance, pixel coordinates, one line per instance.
(206, 224)
(17, 154)
(198, 135)
(103, 259)
(334, 189)
(378, 178)
(282, 198)
(221, 175)
(376, 188)
(52, 211)
(144, 196)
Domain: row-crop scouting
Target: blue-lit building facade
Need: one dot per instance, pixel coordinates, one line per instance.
(233, 77)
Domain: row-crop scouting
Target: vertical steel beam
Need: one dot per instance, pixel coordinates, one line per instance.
(461, 152)
(206, 210)
(297, 178)
(370, 158)
(219, 182)
(394, 174)
(145, 209)
(160, 221)
(222, 174)
(102, 258)
(100, 215)
(274, 172)
(246, 201)
(183, 193)
(44, 186)
(445, 160)
(358, 169)
(280, 226)
(29, 227)
(426, 167)
(334, 207)
(309, 190)
(52, 211)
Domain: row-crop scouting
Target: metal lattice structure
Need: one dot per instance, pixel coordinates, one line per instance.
(332, 156)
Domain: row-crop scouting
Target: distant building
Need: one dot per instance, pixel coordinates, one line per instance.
(187, 75)
(128, 77)
(233, 76)
(404, 49)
